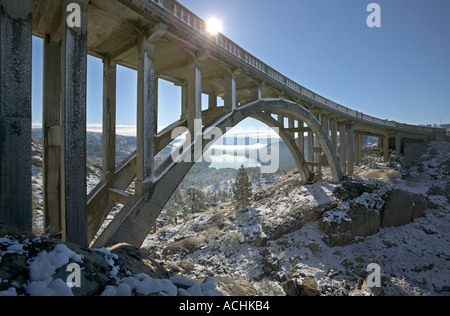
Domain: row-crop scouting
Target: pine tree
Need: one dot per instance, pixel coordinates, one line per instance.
(194, 201)
(242, 188)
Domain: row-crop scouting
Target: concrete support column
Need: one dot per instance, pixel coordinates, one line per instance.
(398, 143)
(52, 138)
(74, 97)
(301, 137)
(194, 97)
(230, 94)
(350, 128)
(15, 113)
(318, 154)
(146, 120)
(212, 100)
(385, 148)
(310, 146)
(333, 129)
(324, 120)
(343, 147)
(358, 148)
(256, 93)
(109, 118)
(184, 101)
(281, 120)
(155, 96)
(291, 126)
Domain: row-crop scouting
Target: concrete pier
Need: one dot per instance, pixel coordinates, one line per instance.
(74, 57)
(15, 113)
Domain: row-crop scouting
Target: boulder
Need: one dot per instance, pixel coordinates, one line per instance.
(186, 246)
(436, 191)
(235, 287)
(309, 287)
(342, 228)
(349, 190)
(129, 258)
(412, 152)
(306, 286)
(447, 191)
(187, 266)
(299, 215)
(420, 204)
(398, 209)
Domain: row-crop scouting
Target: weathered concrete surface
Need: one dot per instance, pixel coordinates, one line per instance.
(15, 113)
(74, 92)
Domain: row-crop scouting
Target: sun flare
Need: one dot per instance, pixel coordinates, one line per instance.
(214, 26)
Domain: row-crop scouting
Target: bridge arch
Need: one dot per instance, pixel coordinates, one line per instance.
(134, 222)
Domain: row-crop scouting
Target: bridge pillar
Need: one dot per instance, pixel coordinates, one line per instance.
(343, 147)
(184, 101)
(74, 146)
(301, 137)
(256, 93)
(398, 143)
(194, 107)
(230, 94)
(350, 128)
(385, 141)
(15, 113)
(358, 148)
(109, 118)
(291, 127)
(333, 129)
(212, 100)
(311, 147)
(52, 138)
(145, 160)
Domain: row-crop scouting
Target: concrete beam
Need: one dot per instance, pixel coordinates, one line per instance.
(52, 137)
(109, 118)
(15, 113)
(145, 163)
(74, 147)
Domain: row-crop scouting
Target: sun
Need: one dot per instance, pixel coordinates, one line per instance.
(214, 26)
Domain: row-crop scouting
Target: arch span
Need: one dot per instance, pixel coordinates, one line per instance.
(134, 222)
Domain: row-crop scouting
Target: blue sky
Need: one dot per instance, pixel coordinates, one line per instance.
(400, 71)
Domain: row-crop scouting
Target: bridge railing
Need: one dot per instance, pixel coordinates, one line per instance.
(192, 20)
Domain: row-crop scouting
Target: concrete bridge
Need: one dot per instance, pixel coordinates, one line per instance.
(159, 39)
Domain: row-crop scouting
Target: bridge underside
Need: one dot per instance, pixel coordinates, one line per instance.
(160, 39)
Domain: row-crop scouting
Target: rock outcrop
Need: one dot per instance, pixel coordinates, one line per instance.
(40, 266)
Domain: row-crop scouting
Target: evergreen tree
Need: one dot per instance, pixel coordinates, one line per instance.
(242, 188)
(194, 201)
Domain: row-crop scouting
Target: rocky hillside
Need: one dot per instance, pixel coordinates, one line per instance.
(295, 239)
(320, 239)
